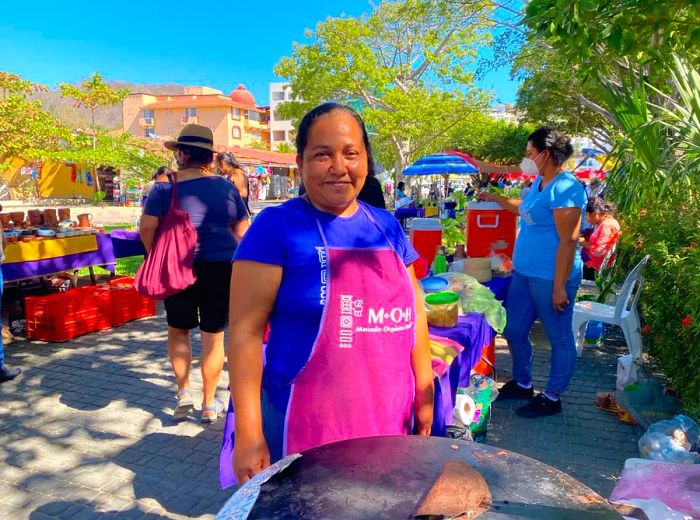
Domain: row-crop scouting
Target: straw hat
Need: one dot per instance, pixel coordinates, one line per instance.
(193, 135)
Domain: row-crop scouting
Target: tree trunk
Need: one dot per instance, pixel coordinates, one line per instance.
(95, 178)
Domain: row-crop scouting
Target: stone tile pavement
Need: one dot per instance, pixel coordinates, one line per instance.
(86, 431)
(585, 442)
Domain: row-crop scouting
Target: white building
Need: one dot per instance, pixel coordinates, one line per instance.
(280, 129)
(504, 112)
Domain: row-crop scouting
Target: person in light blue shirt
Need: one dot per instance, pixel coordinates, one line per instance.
(548, 270)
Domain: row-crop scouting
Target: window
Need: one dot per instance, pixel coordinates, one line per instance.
(278, 96)
(279, 135)
(191, 112)
(148, 114)
(236, 114)
(253, 115)
(236, 132)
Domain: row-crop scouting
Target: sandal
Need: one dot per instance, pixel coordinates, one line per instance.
(185, 404)
(217, 408)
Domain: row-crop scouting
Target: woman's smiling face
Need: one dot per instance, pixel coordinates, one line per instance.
(334, 162)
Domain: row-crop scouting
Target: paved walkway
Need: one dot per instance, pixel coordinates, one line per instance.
(86, 430)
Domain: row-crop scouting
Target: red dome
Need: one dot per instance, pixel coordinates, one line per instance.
(243, 96)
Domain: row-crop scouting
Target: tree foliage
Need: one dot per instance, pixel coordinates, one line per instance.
(29, 132)
(487, 139)
(405, 66)
(94, 93)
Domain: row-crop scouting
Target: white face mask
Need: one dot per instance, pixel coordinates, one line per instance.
(529, 166)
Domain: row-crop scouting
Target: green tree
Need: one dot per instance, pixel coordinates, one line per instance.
(25, 129)
(286, 148)
(257, 144)
(405, 66)
(94, 94)
(490, 140)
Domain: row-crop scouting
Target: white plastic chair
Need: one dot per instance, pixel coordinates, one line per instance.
(624, 313)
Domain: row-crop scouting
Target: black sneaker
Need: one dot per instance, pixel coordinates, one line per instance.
(9, 374)
(539, 406)
(512, 390)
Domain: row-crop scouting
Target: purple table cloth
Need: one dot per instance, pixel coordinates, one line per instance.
(127, 243)
(103, 256)
(472, 332)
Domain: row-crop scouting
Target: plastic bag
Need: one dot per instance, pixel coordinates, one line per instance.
(673, 485)
(473, 405)
(647, 403)
(474, 297)
(672, 441)
(626, 371)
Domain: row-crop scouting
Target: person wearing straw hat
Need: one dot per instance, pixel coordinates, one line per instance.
(220, 217)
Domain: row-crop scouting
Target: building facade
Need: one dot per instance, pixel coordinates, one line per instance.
(281, 130)
(235, 120)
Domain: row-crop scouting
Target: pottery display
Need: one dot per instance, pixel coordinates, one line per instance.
(63, 214)
(50, 218)
(84, 220)
(17, 217)
(34, 217)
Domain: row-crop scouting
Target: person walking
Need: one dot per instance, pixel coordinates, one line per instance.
(230, 168)
(220, 218)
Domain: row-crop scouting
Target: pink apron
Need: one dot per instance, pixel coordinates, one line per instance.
(358, 381)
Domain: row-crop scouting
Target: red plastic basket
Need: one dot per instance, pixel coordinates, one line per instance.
(127, 303)
(64, 316)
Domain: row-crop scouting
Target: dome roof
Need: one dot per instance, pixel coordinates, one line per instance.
(243, 96)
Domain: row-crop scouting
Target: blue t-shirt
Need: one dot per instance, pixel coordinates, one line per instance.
(288, 235)
(213, 204)
(538, 240)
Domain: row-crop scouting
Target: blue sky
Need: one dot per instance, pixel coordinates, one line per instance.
(215, 43)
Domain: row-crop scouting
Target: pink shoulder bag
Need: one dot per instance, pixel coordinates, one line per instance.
(167, 269)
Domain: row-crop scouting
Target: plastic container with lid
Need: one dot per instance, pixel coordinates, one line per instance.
(442, 309)
(426, 236)
(433, 284)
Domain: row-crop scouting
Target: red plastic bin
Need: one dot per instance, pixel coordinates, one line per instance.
(127, 303)
(64, 316)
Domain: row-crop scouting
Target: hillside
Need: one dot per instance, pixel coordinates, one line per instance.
(109, 118)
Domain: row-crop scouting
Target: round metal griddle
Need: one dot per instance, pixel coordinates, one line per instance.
(386, 478)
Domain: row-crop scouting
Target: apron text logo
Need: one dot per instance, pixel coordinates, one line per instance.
(396, 315)
(349, 308)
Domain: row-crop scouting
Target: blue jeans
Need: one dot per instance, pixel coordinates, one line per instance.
(531, 298)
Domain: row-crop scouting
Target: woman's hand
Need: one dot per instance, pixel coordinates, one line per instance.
(560, 299)
(423, 415)
(250, 457)
(487, 196)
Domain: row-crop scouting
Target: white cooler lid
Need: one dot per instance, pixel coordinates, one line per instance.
(484, 205)
(426, 224)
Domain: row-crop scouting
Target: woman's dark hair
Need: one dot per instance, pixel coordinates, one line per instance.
(556, 143)
(197, 155)
(162, 170)
(228, 159)
(603, 207)
(401, 186)
(323, 110)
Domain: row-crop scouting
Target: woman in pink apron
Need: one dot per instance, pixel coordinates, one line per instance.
(348, 352)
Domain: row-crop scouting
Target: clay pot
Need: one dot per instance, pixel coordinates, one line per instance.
(5, 219)
(50, 218)
(84, 220)
(34, 217)
(63, 214)
(17, 217)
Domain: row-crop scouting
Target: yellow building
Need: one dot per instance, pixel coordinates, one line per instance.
(235, 119)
